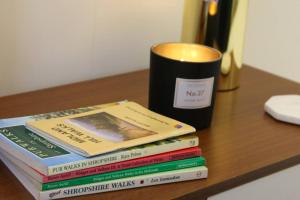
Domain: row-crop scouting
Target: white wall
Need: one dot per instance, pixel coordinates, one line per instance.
(273, 37)
(53, 42)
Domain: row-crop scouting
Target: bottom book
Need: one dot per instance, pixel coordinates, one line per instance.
(119, 184)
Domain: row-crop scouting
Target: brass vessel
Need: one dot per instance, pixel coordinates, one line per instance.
(220, 24)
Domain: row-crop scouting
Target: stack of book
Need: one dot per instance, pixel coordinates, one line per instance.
(98, 149)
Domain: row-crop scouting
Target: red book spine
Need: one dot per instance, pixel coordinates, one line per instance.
(149, 160)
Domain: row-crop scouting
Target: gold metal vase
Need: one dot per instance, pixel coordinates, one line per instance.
(220, 24)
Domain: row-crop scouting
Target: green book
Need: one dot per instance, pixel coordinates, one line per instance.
(150, 169)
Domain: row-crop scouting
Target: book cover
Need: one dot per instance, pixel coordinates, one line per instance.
(113, 185)
(109, 129)
(71, 161)
(50, 159)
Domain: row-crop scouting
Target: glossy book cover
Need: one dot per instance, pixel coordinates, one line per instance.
(109, 129)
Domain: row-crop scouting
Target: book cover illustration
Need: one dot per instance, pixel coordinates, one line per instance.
(109, 129)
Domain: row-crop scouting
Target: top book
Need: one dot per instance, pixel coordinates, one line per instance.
(108, 129)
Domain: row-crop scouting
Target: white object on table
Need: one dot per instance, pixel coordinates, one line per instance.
(284, 108)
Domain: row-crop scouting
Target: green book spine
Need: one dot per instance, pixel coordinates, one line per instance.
(151, 169)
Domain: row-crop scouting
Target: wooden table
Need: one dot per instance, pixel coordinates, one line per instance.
(243, 143)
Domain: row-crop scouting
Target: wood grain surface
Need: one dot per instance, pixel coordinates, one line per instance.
(243, 143)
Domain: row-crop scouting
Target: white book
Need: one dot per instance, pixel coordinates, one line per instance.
(120, 184)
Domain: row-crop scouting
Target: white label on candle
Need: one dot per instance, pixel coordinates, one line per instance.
(193, 93)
